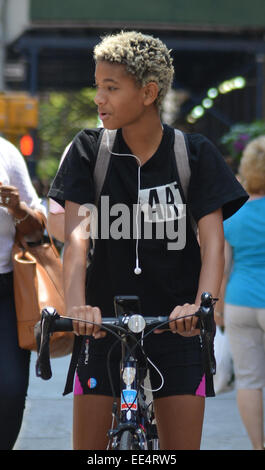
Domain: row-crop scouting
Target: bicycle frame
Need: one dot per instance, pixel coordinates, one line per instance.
(134, 413)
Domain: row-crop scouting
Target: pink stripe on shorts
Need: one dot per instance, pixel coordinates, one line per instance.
(201, 390)
(78, 390)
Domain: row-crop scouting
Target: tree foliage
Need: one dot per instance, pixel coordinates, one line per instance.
(61, 117)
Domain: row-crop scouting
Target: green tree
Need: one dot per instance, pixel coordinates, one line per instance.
(61, 117)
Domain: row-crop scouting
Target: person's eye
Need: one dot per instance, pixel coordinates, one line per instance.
(112, 88)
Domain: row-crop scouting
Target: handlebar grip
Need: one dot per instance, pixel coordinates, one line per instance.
(62, 324)
(160, 322)
(66, 324)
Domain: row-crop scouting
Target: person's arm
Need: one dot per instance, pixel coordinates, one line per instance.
(219, 307)
(56, 225)
(74, 272)
(27, 220)
(212, 253)
(20, 197)
(212, 256)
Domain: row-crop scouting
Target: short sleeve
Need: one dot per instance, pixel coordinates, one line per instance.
(74, 179)
(55, 208)
(20, 178)
(213, 185)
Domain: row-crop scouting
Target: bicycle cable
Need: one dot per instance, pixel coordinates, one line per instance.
(149, 360)
(156, 368)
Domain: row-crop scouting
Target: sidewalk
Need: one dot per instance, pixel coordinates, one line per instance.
(48, 416)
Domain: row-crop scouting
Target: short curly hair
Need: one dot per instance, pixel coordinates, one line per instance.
(252, 166)
(145, 57)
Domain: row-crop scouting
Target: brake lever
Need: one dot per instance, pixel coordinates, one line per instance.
(207, 330)
(42, 331)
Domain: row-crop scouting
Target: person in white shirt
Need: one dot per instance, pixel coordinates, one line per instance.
(19, 207)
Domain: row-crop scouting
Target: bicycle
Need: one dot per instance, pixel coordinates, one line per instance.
(135, 428)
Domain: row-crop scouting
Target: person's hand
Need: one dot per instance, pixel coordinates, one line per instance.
(184, 326)
(9, 197)
(90, 314)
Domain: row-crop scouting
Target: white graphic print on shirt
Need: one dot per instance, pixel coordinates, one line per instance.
(164, 204)
(161, 203)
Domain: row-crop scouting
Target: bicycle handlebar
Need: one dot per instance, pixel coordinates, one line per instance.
(61, 323)
(52, 322)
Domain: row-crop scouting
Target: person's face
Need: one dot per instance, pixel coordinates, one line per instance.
(119, 99)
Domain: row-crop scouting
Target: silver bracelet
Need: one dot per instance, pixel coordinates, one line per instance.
(18, 221)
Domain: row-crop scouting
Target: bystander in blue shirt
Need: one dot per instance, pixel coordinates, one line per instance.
(244, 232)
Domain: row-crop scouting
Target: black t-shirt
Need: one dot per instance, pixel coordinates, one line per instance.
(168, 277)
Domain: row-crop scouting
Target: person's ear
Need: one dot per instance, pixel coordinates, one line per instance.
(150, 93)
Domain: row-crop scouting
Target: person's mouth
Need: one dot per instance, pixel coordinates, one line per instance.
(103, 115)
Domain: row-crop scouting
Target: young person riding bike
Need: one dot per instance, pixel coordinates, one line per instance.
(133, 74)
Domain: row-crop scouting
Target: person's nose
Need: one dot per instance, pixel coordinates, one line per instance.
(100, 97)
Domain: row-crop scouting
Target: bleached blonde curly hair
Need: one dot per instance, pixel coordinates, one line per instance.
(252, 166)
(145, 57)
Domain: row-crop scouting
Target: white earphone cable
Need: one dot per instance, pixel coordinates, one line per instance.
(137, 268)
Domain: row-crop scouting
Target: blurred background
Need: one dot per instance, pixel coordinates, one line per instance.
(47, 70)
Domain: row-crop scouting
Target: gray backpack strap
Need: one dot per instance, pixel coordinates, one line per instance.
(99, 175)
(102, 162)
(182, 161)
(183, 166)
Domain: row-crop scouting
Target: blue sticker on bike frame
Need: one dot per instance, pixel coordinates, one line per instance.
(129, 400)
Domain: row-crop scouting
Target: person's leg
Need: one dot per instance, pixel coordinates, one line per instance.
(179, 421)
(245, 328)
(93, 394)
(14, 370)
(179, 399)
(92, 420)
(250, 405)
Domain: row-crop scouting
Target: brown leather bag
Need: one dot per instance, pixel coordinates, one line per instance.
(38, 283)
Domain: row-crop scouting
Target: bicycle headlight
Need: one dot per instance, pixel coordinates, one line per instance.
(136, 323)
(128, 375)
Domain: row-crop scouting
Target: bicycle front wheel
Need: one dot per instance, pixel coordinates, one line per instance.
(127, 441)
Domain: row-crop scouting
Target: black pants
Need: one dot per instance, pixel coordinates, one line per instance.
(14, 368)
